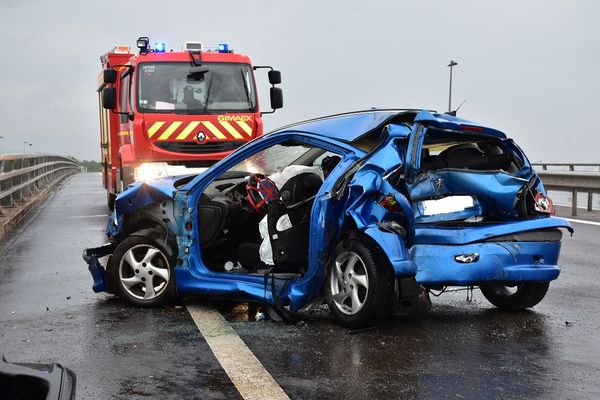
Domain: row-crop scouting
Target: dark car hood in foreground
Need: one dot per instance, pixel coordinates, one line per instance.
(36, 381)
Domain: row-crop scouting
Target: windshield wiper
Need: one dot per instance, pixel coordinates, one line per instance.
(207, 94)
(246, 90)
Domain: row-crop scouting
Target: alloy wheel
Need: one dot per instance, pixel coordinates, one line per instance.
(144, 272)
(349, 283)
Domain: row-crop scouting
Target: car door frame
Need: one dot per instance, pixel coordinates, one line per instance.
(193, 275)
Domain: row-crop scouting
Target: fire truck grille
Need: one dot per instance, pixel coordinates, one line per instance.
(198, 148)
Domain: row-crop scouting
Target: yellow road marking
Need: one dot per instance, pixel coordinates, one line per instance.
(231, 130)
(156, 126)
(245, 127)
(172, 128)
(213, 129)
(188, 129)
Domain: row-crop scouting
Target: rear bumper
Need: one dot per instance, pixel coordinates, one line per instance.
(495, 262)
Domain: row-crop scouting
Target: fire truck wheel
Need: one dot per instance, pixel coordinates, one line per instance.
(141, 269)
(110, 200)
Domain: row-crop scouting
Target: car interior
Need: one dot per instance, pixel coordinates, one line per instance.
(456, 150)
(232, 207)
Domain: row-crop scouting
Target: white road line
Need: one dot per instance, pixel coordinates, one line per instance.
(248, 375)
(582, 221)
(88, 216)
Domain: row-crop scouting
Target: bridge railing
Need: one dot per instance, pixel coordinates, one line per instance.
(22, 175)
(589, 167)
(573, 178)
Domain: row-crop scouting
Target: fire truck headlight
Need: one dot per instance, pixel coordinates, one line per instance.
(223, 48)
(149, 171)
(159, 47)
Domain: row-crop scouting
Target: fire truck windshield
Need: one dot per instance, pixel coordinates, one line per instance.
(169, 87)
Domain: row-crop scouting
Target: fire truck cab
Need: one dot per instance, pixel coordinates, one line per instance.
(170, 113)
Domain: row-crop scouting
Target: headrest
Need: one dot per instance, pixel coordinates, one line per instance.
(300, 187)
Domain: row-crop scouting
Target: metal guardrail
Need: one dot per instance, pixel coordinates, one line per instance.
(571, 166)
(22, 175)
(573, 180)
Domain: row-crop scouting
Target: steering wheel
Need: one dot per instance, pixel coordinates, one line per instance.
(261, 190)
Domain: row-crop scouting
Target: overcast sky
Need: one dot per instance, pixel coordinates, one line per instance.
(529, 68)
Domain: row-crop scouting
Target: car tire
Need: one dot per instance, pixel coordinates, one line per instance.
(515, 297)
(141, 269)
(359, 289)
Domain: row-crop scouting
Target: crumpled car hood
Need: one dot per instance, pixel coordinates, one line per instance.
(142, 194)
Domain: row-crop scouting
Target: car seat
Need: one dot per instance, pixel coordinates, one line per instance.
(290, 246)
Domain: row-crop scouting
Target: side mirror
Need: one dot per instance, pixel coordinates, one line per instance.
(109, 98)
(276, 98)
(109, 75)
(274, 77)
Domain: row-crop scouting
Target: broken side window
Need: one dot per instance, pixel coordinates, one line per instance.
(449, 149)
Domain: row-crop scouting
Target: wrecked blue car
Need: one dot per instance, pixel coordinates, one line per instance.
(368, 211)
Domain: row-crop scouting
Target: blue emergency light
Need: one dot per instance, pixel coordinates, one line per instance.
(223, 48)
(159, 47)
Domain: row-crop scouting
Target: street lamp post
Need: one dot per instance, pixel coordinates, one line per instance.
(452, 64)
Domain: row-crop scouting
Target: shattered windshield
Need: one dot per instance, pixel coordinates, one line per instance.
(271, 160)
(221, 87)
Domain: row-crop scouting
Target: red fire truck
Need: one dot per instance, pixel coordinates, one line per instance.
(169, 112)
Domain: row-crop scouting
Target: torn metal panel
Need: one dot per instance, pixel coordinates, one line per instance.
(395, 250)
(464, 233)
(496, 193)
(450, 122)
(142, 194)
(92, 256)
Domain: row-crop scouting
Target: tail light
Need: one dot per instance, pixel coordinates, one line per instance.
(542, 204)
(389, 203)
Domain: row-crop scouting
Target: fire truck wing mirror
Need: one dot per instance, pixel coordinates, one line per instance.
(274, 77)
(109, 75)
(276, 98)
(109, 98)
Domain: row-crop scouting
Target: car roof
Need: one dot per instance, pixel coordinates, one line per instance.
(348, 127)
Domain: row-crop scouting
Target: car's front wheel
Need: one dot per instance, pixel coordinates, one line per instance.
(518, 296)
(141, 269)
(359, 290)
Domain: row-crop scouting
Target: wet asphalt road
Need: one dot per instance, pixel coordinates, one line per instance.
(459, 350)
